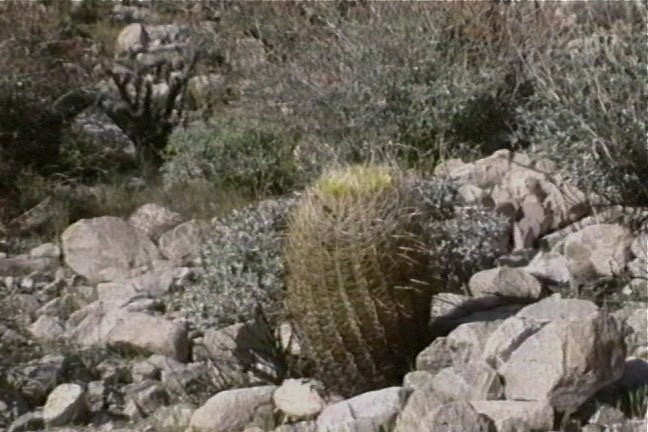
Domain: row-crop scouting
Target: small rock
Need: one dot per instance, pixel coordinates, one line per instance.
(46, 250)
(471, 381)
(183, 242)
(32, 421)
(65, 405)
(374, 408)
(536, 415)
(149, 334)
(444, 168)
(417, 379)
(638, 268)
(596, 250)
(455, 417)
(47, 328)
(146, 395)
(462, 345)
(300, 398)
(550, 267)
(154, 220)
(639, 246)
(607, 415)
(505, 282)
(231, 410)
(173, 417)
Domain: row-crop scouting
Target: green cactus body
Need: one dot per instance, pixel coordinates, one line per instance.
(354, 281)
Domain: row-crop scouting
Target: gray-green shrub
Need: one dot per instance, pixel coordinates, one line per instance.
(253, 155)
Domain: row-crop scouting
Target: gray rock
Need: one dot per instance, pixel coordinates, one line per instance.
(37, 378)
(183, 242)
(471, 381)
(46, 250)
(421, 402)
(32, 421)
(575, 358)
(151, 285)
(154, 220)
(305, 426)
(368, 411)
(635, 319)
(507, 337)
(106, 248)
(47, 329)
(149, 334)
(415, 380)
(300, 398)
(238, 348)
(638, 268)
(132, 331)
(455, 417)
(65, 405)
(462, 345)
(535, 415)
(173, 417)
(231, 410)
(24, 265)
(147, 396)
(596, 250)
(607, 415)
(104, 143)
(639, 246)
(550, 267)
(505, 282)
(556, 308)
(95, 395)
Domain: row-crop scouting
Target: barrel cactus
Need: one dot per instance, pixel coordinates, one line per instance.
(357, 287)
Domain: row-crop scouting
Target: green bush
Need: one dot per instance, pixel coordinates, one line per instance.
(252, 155)
(241, 267)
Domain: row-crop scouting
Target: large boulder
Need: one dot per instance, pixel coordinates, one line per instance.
(99, 141)
(596, 250)
(566, 361)
(106, 248)
(365, 412)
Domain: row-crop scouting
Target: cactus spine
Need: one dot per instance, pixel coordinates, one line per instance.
(355, 287)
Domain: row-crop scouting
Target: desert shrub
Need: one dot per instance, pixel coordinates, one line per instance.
(252, 155)
(241, 267)
(438, 76)
(590, 104)
(40, 64)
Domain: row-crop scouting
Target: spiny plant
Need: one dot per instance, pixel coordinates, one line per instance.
(357, 287)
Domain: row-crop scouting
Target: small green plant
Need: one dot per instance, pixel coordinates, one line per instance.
(242, 267)
(252, 155)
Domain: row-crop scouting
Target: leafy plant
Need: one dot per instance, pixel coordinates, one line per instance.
(252, 155)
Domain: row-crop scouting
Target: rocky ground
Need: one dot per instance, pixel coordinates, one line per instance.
(100, 329)
(527, 349)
